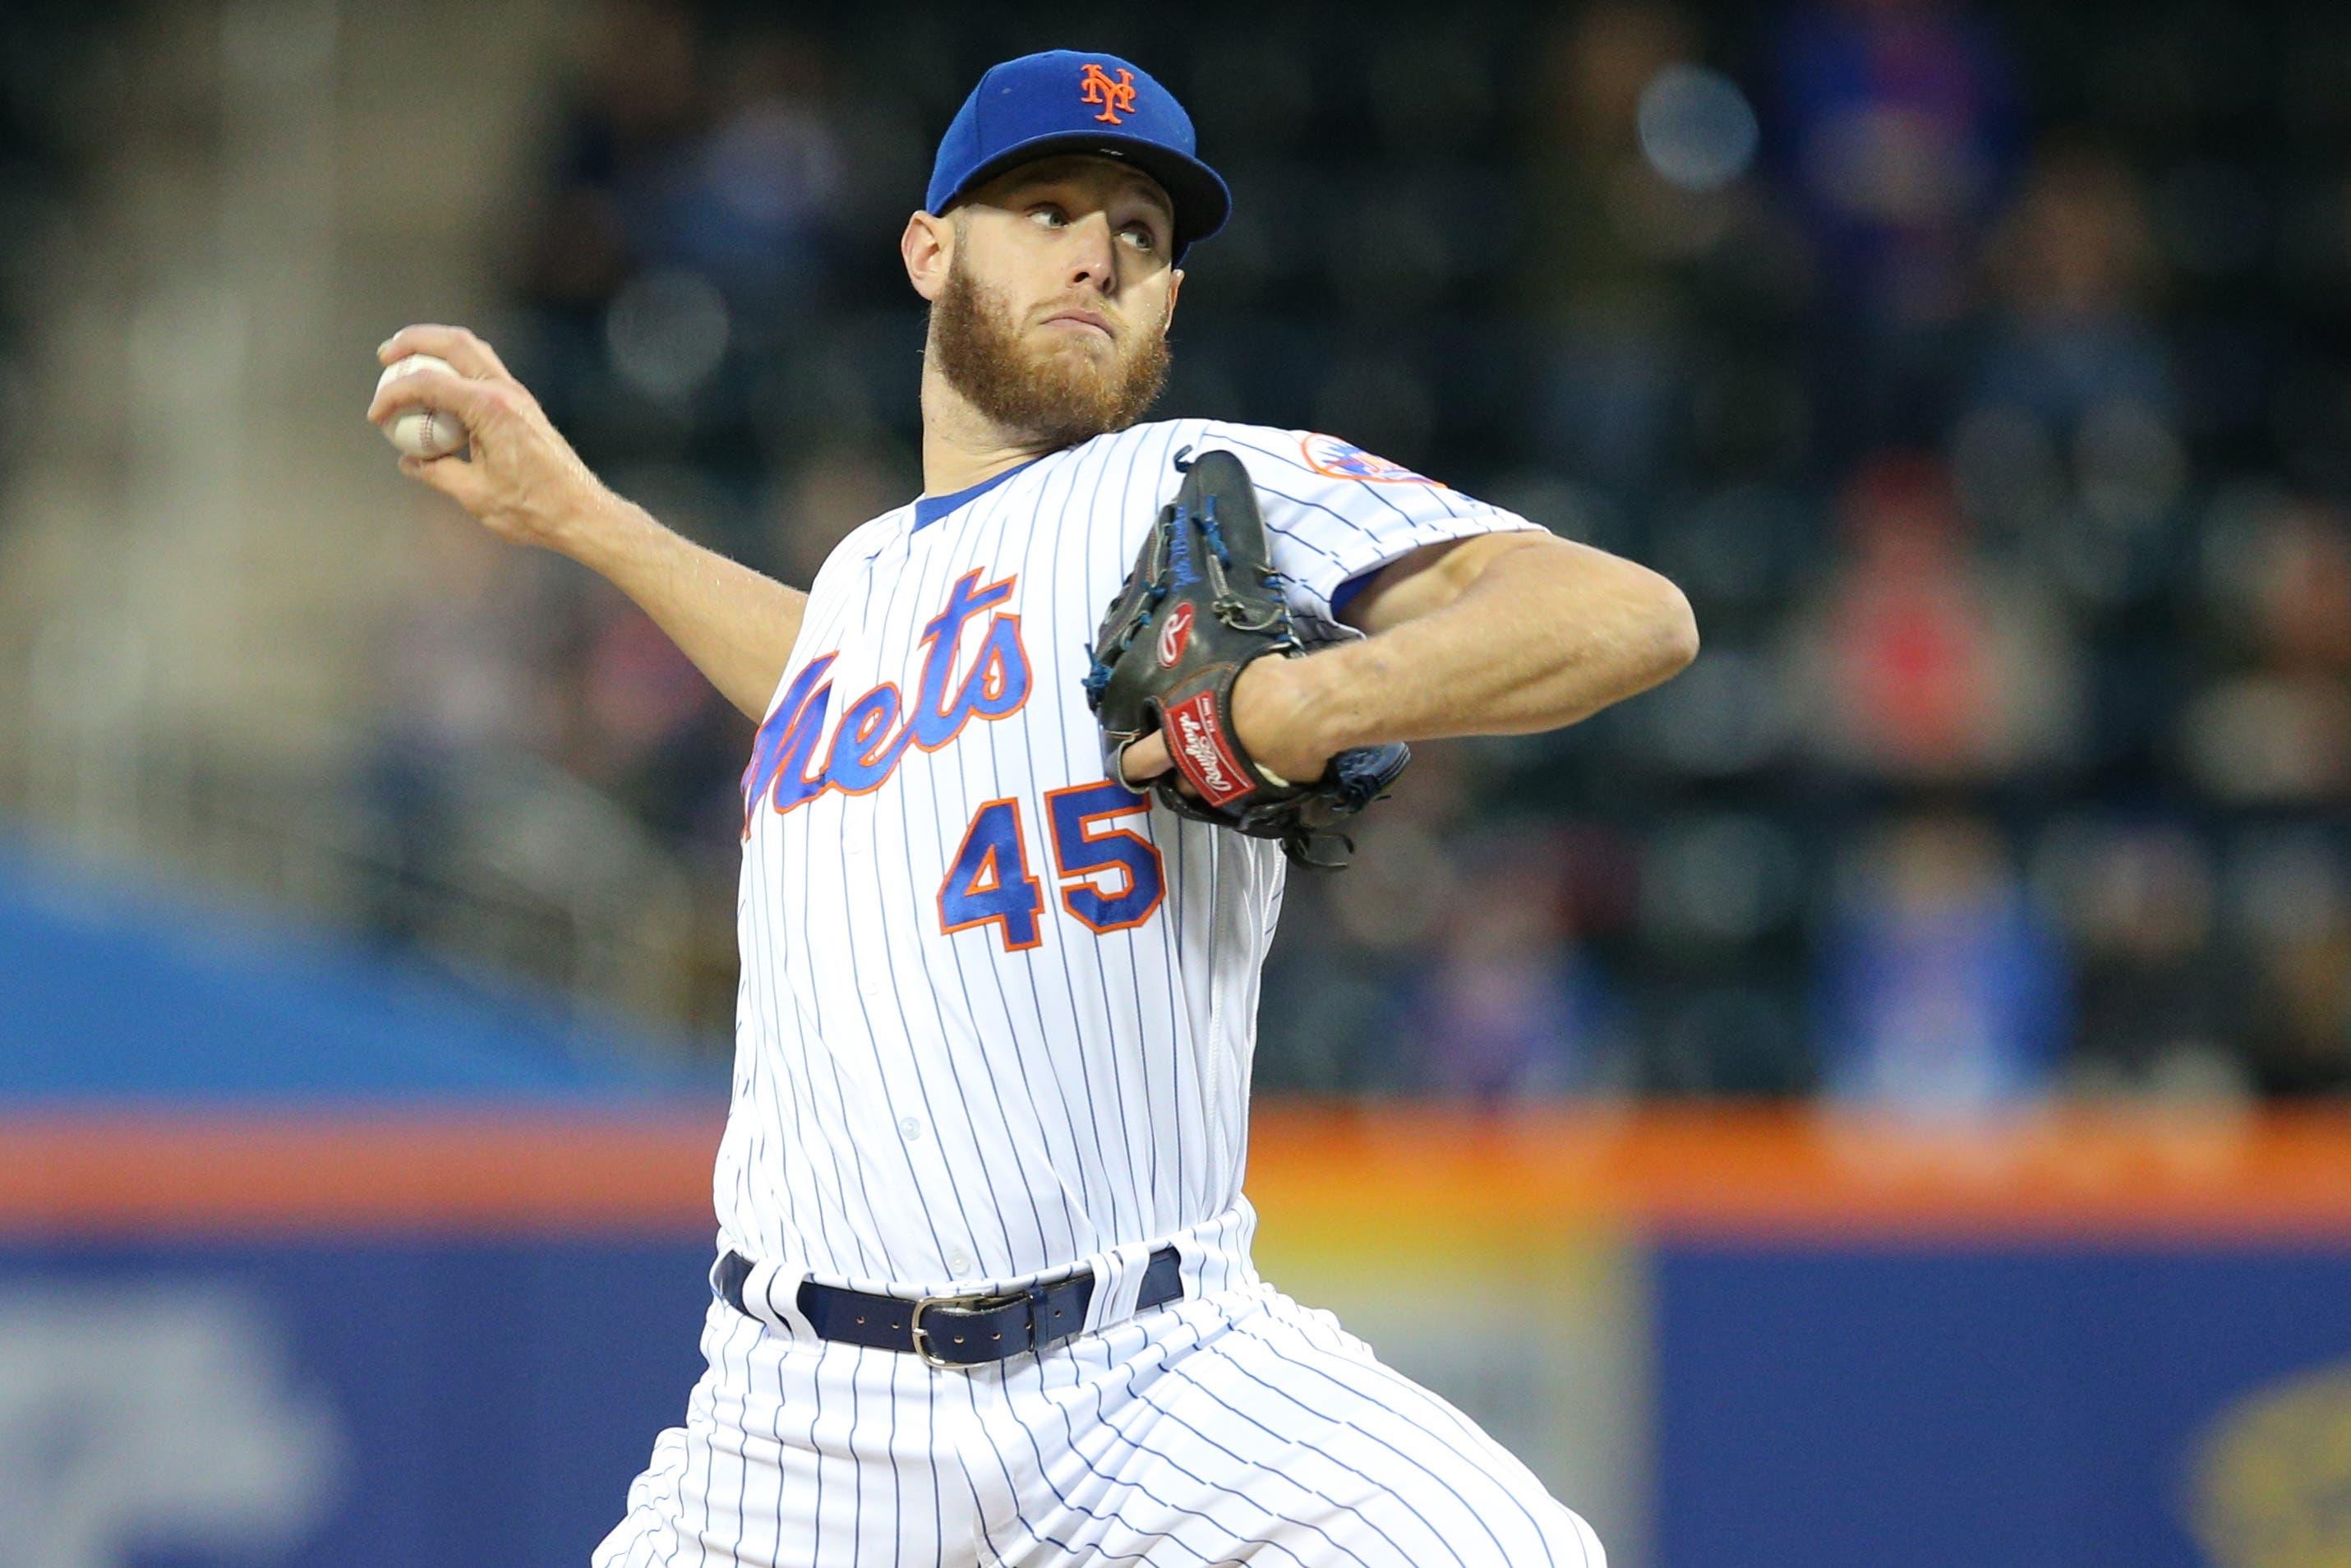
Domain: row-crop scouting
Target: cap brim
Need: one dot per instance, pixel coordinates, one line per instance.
(1202, 200)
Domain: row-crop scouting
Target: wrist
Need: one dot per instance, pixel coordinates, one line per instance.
(600, 529)
(1279, 709)
(1324, 697)
(1310, 698)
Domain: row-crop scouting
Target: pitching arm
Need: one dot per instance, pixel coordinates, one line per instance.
(526, 483)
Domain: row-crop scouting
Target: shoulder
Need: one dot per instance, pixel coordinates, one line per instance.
(1121, 467)
(869, 537)
(1270, 451)
(1312, 458)
(1156, 438)
(862, 542)
(1306, 450)
(1258, 445)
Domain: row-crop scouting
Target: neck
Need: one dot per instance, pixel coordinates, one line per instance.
(961, 445)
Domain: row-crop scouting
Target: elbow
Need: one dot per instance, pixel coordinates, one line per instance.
(1677, 631)
(1667, 638)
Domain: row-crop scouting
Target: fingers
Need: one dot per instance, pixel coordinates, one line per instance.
(473, 401)
(1144, 761)
(455, 344)
(457, 480)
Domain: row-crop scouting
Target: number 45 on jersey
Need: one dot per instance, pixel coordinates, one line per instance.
(1110, 878)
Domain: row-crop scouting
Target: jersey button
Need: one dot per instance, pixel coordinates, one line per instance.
(912, 1127)
(958, 1264)
(872, 980)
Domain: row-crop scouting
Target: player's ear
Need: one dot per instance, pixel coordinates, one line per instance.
(928, 247)
(1175, 286)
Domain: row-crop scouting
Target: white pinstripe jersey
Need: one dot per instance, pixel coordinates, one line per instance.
(997, 1015)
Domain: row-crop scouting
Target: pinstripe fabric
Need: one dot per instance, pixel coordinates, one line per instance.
(918, 1107)
(939, 1089)
(1238, 1426)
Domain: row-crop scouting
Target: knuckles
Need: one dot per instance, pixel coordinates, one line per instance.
(434, 338)
(491, 402)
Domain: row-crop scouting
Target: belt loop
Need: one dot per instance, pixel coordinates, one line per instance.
(779, 1294)
(1118, 1281)
(766, 1294)
(1040, 1312)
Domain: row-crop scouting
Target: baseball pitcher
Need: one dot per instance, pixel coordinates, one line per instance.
(1034, 751)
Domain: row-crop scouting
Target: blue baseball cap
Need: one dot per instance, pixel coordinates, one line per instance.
(1066, 101)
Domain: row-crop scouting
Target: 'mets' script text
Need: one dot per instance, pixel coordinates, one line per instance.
(792, 762)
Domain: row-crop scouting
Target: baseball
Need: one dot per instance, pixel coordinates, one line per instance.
(421, 432)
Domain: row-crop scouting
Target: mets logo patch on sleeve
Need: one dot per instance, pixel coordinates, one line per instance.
(1344, 460)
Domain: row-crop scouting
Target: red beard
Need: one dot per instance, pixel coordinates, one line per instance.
(1058, 397)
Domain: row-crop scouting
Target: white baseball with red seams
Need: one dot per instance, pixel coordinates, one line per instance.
(421, 432)
(995, 1025)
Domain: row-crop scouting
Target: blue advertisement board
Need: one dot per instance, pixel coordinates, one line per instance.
(385, 1402)
(2050, 1405)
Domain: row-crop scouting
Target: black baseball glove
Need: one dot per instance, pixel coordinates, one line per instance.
(1202, 602)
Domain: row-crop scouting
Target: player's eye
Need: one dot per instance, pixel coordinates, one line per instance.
(1049, 215)
(1139, 234)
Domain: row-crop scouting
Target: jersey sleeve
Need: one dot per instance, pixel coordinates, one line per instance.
(859, 544)
(1335, 514)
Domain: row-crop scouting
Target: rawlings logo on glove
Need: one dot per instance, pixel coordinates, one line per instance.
(1174, 635)
(1200, 752)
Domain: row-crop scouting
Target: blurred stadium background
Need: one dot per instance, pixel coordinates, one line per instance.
(1875, 1099)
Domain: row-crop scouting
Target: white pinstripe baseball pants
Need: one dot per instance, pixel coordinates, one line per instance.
(1237, 1427)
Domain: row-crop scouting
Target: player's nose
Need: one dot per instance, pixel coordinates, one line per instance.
(1093, 253)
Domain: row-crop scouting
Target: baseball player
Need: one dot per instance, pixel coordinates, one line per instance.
(983, 1293)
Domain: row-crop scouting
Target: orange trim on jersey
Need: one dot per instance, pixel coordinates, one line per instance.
(932, 629)
(993, 675)
(989, 676)
(866, 754)
(1070, 881)
(990, 867)
(785, 726)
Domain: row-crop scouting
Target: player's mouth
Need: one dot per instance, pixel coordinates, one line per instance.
(1080, 320)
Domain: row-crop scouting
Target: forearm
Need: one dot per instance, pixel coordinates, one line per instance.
(1543, 636)
(738, 625)
(527, 484)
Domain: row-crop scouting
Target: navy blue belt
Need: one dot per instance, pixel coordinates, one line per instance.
(956, 1331)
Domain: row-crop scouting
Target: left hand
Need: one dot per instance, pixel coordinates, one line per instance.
(1276, 715)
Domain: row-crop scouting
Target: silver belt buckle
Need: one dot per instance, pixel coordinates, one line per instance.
(921, 1336)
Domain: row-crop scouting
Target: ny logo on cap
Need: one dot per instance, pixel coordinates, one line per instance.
(1095, 86)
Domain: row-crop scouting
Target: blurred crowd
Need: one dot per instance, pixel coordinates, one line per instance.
(1977, 370)
(41, 42)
